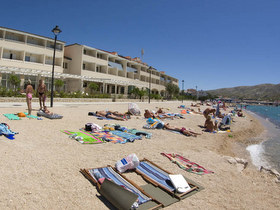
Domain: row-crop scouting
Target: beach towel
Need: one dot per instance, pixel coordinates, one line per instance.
(4, 130)
(108, 137)
(30, 116)
(87, 138)
(12, 116)
(186, 164)
(140, 133)
(127, 136)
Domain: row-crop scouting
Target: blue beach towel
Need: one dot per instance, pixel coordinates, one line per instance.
(128, 136)
(4, 130)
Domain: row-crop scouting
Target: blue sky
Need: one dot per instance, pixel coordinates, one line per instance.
(207, 43)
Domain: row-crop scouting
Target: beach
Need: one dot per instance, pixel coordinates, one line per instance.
(40, 168)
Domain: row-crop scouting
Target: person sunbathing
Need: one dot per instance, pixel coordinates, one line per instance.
(108, 114)
(149, 114)
(208, 111)
(45, 110)
(209, 125)
(181, 130)
(118, 114)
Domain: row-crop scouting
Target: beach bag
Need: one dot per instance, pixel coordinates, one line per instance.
(133, 109)
(129, 162)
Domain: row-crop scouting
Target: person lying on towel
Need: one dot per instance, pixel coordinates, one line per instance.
(181, 130)
(109, 114)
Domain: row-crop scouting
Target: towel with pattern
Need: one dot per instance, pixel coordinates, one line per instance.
(109, 137)
(186, 164)
(128, 136)
(87, 138)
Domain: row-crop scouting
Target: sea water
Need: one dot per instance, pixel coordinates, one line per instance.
(267, 153)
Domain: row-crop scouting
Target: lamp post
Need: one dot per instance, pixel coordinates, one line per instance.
(150, 71)
(183, 91)
(56, 31)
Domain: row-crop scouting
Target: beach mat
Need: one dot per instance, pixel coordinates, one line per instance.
(87, 137)
(12, 116)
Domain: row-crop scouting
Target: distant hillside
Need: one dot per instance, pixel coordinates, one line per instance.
(259, 92)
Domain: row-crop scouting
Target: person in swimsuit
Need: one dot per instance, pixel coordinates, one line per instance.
(108, 114)
(181, 130)
(29, 91)
(42, 89)
(209, 125)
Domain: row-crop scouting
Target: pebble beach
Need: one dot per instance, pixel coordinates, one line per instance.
(40, 167)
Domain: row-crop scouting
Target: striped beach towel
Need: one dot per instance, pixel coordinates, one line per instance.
(186, 164)
(109, 173)
(156, 174)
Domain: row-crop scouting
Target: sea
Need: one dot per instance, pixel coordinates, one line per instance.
(267, 152)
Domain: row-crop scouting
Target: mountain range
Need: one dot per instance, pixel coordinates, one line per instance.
(267, 92)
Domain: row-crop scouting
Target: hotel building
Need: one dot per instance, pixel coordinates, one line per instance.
(30, 56)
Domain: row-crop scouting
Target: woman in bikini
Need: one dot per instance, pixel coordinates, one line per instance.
(29, 91)
(181, 130)
(42, 89)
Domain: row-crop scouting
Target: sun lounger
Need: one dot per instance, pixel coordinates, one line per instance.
(49, 116)
(121, 197)
(159, 177)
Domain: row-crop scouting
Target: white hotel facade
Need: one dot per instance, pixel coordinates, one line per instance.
(30, 56)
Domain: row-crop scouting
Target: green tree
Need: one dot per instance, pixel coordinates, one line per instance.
(93, 87)
(172, 89)
(14, 80)
(59, 84)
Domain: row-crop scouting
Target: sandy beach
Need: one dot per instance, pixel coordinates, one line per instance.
(40, 168)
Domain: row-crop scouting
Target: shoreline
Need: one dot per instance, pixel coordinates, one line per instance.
(40, 168)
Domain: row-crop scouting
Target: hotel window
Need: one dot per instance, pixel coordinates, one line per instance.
(98, 68)
(85, 84)
(4, 81)
(84, 66)
(85, 52)
(27, 58)
(65, 65)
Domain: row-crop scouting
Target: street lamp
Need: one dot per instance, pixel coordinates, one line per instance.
(182, 90)
(150, 71)
(56, 31)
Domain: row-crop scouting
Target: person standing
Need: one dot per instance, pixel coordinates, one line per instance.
(42, 90)
(29, 91)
